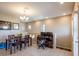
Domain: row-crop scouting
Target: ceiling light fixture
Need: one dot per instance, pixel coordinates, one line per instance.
(26, 15)
(27, 18)
(61, 2)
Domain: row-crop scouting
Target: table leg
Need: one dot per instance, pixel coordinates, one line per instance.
(6, 45)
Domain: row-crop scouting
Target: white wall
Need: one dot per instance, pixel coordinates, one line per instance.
(75, 30)
(5, 33)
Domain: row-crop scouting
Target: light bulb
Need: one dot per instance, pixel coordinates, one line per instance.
(27, 18)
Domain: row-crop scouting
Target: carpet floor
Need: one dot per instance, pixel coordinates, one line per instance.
(34, 51)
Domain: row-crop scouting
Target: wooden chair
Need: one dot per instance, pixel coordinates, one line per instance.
(24, 41)
(11, 42)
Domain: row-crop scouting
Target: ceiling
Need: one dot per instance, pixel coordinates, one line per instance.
(39, 10)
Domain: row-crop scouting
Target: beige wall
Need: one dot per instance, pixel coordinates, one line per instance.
(5, 33)
(60, 25)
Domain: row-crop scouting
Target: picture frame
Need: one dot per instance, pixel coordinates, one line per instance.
(5, 25)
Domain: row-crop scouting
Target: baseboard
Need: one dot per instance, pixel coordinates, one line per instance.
(64, 48)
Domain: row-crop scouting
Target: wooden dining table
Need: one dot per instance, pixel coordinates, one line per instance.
(18, 42)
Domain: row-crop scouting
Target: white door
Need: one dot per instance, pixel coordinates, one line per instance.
(75, 34)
